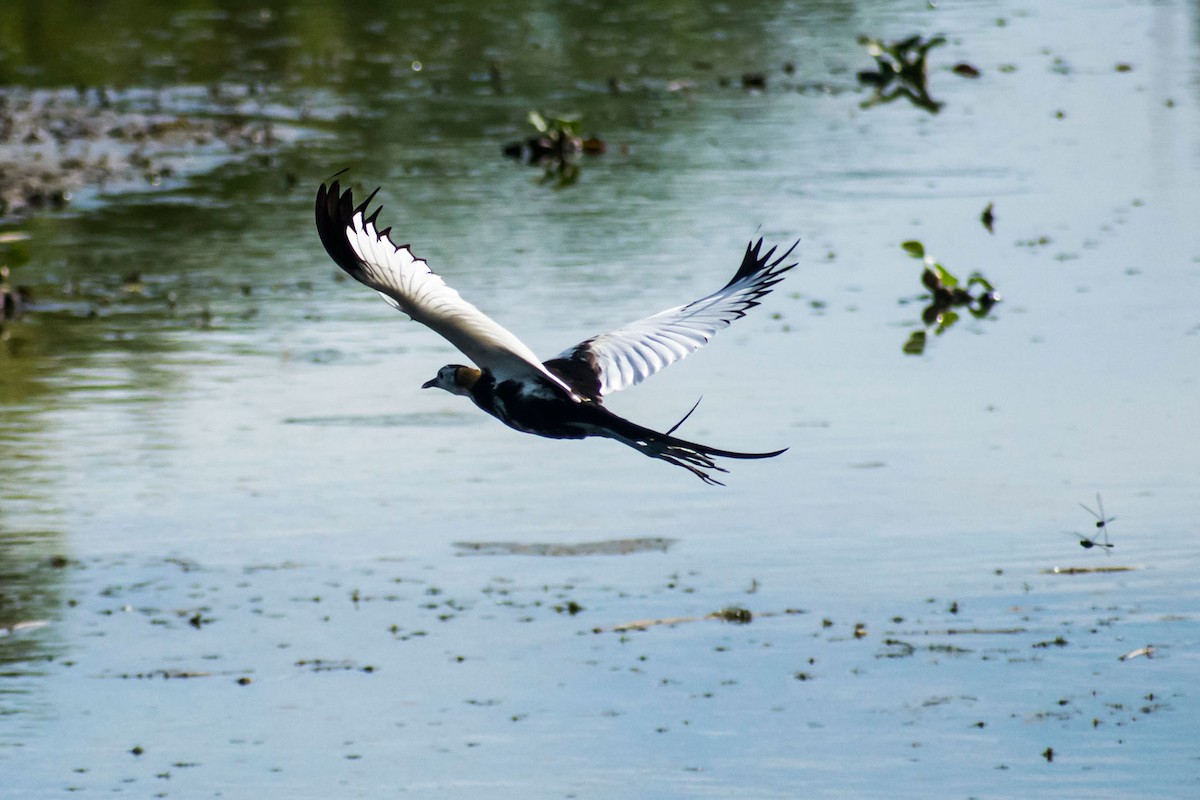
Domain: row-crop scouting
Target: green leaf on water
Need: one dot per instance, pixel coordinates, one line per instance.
(945, 320)
(538, 122)
(914, 248)
(945, 276)
(976, 279)
(915, 345)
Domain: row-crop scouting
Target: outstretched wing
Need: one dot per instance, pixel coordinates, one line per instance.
(628, 355)
(352, 239)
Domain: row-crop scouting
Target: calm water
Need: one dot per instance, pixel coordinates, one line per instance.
(225, 494)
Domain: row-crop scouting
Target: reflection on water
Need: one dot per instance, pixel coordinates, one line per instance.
(974, 294)
(901, 71)
(222, 487)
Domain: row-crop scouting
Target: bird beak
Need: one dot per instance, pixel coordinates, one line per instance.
(429, 384)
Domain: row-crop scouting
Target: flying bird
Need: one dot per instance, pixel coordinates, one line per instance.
(561, 398)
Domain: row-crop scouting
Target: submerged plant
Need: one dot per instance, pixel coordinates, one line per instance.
(900, 71)
(947, 293)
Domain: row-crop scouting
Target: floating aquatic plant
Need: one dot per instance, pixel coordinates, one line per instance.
(557, 143)
(976, 295)
(900, 71)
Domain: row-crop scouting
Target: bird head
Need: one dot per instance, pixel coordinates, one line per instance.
(454, 378)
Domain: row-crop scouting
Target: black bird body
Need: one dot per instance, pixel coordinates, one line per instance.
(561, 398)
(545, 410)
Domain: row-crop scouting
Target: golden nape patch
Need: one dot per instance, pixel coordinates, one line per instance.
(466, 377)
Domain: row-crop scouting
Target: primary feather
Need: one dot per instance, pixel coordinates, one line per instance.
(407, 283)
(628, 355)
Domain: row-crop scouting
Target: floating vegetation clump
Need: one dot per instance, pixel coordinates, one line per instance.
(55, 144)
(900, 71)
(555, 147)
(736, 614)
(947, 296)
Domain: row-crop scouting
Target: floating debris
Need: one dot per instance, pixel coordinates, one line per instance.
(731, 614)
(896, 648)
(969, 632)
(1147, 651)
(900, 71)
(754, 81)
(21, 627)
(1057, 641)
(1085, 570)
(327, 665)
(570, 607)
(988, 218)
(736, 614)
(55, 143)
(166, 674)
(607, 547)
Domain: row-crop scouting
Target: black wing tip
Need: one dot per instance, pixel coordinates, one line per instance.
(361, 208)
(757, 264)
(337, 205)
(335, 211)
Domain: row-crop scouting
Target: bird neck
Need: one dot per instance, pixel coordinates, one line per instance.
(466, 378)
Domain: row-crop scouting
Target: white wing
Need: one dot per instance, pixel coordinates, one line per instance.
(369, 256)
(628, 355)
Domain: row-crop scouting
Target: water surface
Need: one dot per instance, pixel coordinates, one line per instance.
(223, 489)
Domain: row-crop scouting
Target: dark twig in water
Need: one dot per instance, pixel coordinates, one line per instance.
(731, 614)
(1084, 570)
